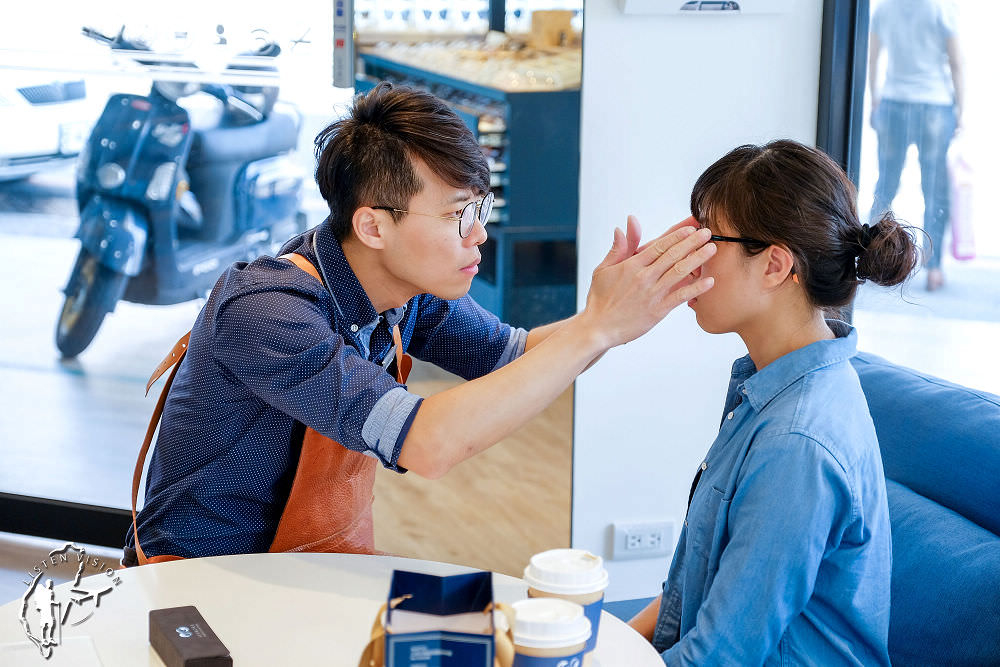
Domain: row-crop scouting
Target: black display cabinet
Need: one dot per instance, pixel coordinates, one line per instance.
(532, 139)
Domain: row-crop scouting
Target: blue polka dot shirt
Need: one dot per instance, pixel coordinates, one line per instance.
(272, 352)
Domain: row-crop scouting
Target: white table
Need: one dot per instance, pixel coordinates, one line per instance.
(276, 609)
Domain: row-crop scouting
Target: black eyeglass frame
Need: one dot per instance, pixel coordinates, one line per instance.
(745, 240)
(484, 206)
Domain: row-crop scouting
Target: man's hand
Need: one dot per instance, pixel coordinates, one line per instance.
(621, 251)
(631, 291)
(630, 297)
(686, 222)
(625, 244)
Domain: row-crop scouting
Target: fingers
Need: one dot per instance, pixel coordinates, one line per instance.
(686, 222)
(688, 292)
(633, 234)
(684, 267)
(617, 252)
(672, 247)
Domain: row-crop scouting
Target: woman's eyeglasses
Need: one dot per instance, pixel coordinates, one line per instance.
(739, 239)
(466, 221)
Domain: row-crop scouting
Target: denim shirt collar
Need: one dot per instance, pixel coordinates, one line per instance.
(760, 387)
(352, 302)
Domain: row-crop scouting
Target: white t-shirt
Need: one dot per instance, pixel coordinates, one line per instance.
(915, 34)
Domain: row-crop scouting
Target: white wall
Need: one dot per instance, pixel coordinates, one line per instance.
(664, 97)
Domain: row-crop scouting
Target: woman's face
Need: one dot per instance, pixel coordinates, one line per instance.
(736, 297)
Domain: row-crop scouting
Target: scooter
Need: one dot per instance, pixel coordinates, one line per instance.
(165, 205)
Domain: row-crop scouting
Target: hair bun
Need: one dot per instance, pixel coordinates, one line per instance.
(867, 234)
(888, 253)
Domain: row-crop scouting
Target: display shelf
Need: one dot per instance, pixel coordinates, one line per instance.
(528, 273)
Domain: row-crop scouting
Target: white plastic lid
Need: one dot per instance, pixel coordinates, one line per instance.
(549, 623)
(566, 572)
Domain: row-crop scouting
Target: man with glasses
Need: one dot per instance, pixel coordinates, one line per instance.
(294, 351)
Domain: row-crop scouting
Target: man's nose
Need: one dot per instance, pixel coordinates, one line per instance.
(478, 235)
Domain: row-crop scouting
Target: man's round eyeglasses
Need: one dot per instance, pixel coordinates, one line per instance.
(466, 221)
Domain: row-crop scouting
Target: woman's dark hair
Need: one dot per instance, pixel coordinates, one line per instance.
(365, 158)
(786, 193)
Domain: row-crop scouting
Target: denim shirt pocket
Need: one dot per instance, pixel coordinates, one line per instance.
(706, 520)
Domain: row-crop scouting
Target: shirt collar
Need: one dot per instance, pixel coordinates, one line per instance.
(762, 386)
(353, 304)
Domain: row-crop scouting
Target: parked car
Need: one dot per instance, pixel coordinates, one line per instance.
(711, 5)
(44, 121)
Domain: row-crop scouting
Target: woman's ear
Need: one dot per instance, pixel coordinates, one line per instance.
(780, 264)
(367, 224)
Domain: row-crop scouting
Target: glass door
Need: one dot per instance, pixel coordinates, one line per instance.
(912, 95)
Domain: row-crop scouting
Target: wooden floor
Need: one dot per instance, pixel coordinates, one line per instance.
(493, 511)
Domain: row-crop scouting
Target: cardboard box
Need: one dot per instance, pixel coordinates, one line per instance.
(439, 621)
(552, 27)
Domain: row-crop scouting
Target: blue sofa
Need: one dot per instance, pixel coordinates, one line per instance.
(940, 447)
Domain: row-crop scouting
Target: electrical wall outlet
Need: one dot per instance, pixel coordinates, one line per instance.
(648, 539)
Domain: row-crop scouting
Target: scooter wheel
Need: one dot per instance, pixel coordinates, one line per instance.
(92, 293)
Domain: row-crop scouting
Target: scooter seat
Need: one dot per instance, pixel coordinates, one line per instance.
(278, 133)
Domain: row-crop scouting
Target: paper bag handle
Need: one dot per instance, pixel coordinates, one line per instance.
(374, 653)
(503, 641)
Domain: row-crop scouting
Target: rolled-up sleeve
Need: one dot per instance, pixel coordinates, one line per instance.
(281, 347)
(791, 504)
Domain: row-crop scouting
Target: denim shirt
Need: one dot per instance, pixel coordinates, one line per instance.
(785, 554)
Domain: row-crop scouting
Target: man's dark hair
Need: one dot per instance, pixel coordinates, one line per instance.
(365, 158)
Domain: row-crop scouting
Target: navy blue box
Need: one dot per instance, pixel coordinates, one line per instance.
(439, 621)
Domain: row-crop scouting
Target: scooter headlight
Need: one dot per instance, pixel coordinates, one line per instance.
(110, 175)
(160, 185)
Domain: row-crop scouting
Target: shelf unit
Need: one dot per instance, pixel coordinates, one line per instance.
(532, 139)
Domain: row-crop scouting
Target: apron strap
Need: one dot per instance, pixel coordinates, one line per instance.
(172, 359)
(175, 356)
(403, 361)
(303, 263)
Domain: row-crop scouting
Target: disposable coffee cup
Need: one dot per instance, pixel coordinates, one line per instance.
(574, 575)
(549, 632)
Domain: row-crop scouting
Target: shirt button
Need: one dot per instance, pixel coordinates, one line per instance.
(729, 416)
(354, 328)
(685, 522)
(744, 390)
(704, 465)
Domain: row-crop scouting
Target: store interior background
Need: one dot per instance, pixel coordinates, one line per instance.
(71, 429)
(662, 97)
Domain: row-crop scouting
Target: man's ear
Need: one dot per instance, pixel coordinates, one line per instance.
(367, 223)
(779, 266)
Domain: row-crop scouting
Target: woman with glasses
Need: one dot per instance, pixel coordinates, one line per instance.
(785, 553)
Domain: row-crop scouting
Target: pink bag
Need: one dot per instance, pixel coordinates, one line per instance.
(963, 244)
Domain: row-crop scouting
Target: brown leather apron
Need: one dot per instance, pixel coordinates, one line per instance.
(329, 508)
